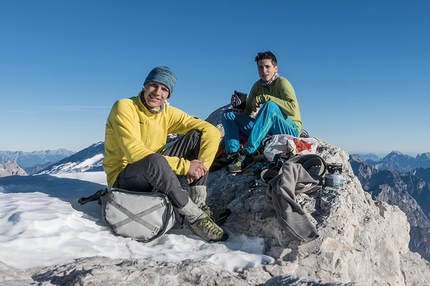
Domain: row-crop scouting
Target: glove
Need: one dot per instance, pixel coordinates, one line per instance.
(238, 100)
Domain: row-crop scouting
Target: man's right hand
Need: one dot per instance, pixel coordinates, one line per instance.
(196, 171)
(254, 104)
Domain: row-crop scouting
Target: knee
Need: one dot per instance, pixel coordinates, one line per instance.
(179, 197)
(268, 108)
(156, 159)
(228, 115)
(269, 105)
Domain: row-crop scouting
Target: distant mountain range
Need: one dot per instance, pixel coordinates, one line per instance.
(87, 160)
(36, 160)
(55, 161)
(369, 157)
(396, 161)
(409, 190)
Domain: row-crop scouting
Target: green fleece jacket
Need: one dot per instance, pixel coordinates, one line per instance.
(280, 92)
(132, 133)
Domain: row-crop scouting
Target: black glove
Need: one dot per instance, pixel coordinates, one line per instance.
(238, 100)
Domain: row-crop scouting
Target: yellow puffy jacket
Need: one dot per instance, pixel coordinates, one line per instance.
(132, 133)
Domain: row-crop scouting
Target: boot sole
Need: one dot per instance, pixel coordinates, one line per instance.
(221, 220)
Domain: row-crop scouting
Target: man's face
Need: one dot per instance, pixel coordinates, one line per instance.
(266, 69)
(155, 94)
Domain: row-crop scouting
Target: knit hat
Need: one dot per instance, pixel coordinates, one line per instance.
(162, 75)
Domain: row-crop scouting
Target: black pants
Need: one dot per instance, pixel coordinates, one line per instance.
(153, 173)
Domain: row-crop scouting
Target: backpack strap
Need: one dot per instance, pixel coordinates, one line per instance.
(313, 163)
(94, 197)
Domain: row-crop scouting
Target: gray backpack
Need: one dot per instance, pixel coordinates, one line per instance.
(314, 164)
(142, 216)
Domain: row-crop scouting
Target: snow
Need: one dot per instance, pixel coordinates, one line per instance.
(41, 224)
(76, 167)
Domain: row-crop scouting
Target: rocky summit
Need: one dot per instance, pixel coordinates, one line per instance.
(361, 242)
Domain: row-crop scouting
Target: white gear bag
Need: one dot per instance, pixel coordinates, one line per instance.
(143, 216)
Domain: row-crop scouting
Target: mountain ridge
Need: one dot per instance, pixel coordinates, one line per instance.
(31, 160)
(408, 190)
(396, 161)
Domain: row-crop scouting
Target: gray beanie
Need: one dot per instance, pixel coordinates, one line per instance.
(162, 75)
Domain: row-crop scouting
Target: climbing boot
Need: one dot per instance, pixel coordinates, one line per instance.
(207, 229)
(219, 216)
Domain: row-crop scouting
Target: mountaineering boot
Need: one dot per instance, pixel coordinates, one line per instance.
(191, 211)
(198, 195)
(230, 157)
(201, 224)
(219, 216)
(242, 162)
(304, 134)
(207, 229)
(224, 160)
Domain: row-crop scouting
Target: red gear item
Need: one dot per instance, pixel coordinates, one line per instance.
(302, 145)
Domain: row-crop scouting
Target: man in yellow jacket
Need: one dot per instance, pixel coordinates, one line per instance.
(135, 157)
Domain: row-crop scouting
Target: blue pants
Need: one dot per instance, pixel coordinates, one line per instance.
(270, 120)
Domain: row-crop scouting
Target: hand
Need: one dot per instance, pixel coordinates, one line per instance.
(254, 104)
(233, 100)
(196, 171)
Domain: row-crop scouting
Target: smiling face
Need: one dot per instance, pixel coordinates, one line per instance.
(155, 94)
(266, 69)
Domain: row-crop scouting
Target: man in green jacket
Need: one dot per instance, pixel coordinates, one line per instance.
(274, 98)
(135, 157)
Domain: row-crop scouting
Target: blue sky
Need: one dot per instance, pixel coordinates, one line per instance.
(360, 69)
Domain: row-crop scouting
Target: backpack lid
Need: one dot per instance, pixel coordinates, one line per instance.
(312, 163)
(267, 174)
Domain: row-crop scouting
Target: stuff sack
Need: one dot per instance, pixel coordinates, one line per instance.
(142, 216)
(284, 143)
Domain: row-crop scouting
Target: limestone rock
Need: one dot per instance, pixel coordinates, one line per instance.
(11, 168)
(360, 241)
(105, 271)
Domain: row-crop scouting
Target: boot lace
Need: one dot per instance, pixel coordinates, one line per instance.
(209, 227)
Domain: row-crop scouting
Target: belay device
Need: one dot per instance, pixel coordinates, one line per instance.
(143, 216)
